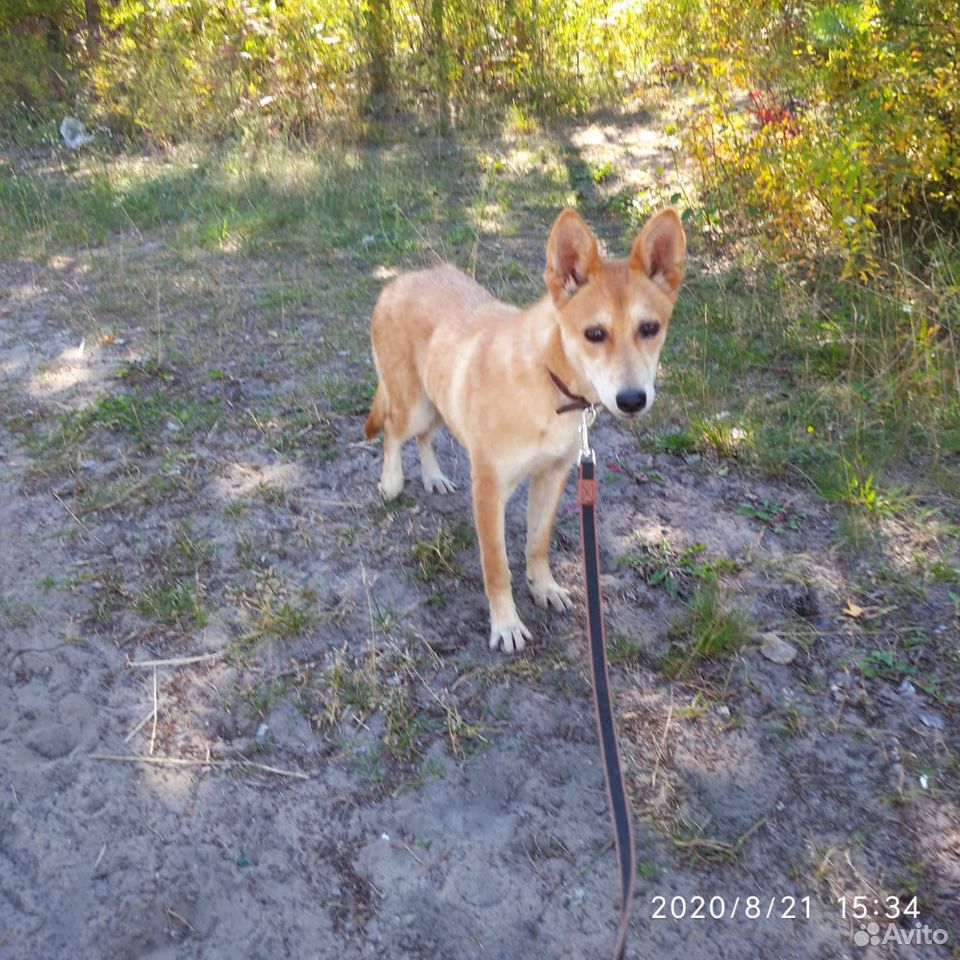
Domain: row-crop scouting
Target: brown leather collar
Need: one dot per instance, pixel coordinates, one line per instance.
(577, 402)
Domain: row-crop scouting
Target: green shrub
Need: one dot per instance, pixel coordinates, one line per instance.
(825, 122)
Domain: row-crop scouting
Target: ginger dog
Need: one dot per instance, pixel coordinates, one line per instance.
(502, 379)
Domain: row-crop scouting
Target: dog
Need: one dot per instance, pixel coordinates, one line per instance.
(501, 379)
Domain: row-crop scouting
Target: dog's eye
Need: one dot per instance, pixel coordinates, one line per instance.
(595, 334)
(649, 328)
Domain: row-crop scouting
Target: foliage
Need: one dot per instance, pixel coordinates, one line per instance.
(819, 122)
(178, 69)
(823, 122)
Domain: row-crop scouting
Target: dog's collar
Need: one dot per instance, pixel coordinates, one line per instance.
(576, 401)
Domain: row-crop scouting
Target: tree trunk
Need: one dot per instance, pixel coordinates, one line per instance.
(379, 17)
(91, 9)
(437, 16)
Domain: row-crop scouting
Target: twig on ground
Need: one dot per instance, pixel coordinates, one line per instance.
(661, 755)
(139, 727)
(65, 507)
(170, 912)
(189, 762)
(156, 711)
(176, 661)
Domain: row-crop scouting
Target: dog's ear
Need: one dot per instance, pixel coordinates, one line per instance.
(660, 249)
(572, 256)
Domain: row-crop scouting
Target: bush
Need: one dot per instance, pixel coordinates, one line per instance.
(825, 122)
(174, 68)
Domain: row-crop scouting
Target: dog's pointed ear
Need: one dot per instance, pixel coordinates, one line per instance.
(660, 249)
(572, 256)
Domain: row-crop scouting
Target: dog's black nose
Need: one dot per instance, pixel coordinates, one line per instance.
(632, 401)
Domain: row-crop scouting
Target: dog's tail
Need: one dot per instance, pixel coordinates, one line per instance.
(378, 413)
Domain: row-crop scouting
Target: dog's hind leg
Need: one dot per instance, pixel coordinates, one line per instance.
(419, 419)
(391, 477)
(434, 479)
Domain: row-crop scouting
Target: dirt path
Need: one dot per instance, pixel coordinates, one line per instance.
(207, 496)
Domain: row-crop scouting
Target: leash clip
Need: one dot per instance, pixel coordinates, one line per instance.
(587, 418)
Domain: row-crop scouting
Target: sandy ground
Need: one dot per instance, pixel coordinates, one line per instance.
(486, 835)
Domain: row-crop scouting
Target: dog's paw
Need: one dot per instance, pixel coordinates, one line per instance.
(438, 483)
(510, 637)
(551, 596)
(390, 487)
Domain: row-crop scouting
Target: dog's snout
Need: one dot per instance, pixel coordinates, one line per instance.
(632, 401)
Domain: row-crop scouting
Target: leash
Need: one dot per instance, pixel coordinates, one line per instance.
(606, 727)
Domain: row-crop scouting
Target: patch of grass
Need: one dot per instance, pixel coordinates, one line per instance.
(624, 650)
(680, 442)
(236, 509)
(345, 685)
(709, 628)
(173, 602)
(899, 665)
(405, 725)
(109, 594)
(272, 493)
(778, 515)
(150, 420)
(273, 610)
(263, 695)
(298, 431)
(348, 395)
(693, 839)
(847, 381)
(437, 554)
(661, 566)
(791, 722)
(17, 613)
(858, 533)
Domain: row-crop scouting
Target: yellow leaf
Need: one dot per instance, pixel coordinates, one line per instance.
(853, 610)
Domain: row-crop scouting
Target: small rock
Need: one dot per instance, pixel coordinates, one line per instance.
(575, 896)
(262, 730)
(933, 720)
(777, 650)
(906, 688)
(74, 133)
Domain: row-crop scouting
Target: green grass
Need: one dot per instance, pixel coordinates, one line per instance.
(437, 555)
(299, 432)
(710, 627)
(831, 383)
(271, 608)
(624, 650)
(172, 602)
(149, 420)
(661, 566)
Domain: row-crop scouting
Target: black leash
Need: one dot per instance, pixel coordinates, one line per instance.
(606, 727)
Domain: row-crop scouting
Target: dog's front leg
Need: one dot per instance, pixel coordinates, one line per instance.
(546, 488)
(490, 496)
